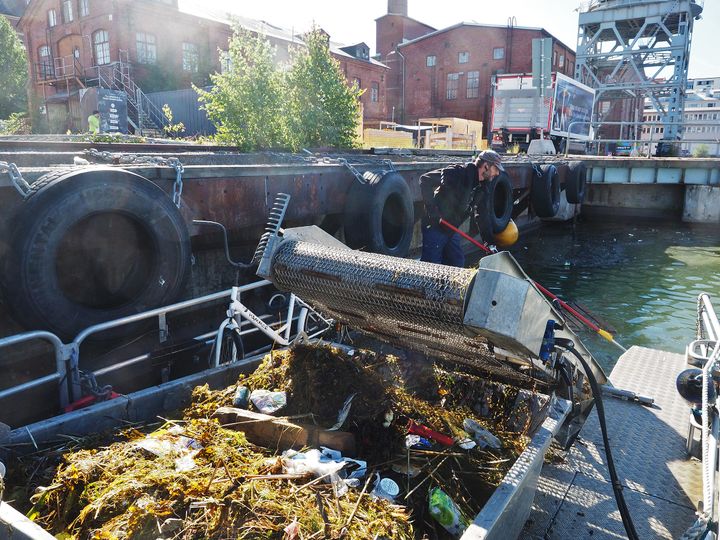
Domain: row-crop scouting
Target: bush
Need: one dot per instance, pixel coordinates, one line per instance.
(701, 150)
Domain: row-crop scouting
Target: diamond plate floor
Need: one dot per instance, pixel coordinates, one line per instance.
(663, 486)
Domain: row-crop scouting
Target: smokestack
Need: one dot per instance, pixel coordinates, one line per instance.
(398, 7)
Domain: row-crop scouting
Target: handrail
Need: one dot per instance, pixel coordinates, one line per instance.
(60, 375)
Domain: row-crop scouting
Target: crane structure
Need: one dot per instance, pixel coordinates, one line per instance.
(630, 51)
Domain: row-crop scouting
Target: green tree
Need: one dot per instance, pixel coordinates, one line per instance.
(246, 102)
(323, 109)
(13, 71)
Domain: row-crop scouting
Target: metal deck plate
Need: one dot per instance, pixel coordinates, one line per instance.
(663, 486)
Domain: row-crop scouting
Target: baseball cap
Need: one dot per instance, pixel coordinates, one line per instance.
(491, 156)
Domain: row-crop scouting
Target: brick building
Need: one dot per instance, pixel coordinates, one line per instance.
(450, 72)
(142, 46)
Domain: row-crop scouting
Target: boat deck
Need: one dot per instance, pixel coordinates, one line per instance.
(662, 484)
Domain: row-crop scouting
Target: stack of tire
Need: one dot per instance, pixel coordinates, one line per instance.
(546, 187)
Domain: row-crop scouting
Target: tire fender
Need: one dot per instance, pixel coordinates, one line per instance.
(94, 245)
(379, 215)
(501, 203)
(575, 183)
(545, 192)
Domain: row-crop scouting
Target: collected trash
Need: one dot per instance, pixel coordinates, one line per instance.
(224, 471)
(268, 402)
(446, 512)
(242, 397)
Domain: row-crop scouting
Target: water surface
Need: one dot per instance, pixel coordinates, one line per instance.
(642, 279)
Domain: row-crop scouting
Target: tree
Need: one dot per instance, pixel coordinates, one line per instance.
(246, 102)
(13, 71)
(323, 109)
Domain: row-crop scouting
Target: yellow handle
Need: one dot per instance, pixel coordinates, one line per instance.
(607, 335)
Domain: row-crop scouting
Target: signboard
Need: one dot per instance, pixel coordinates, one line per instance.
(572, 108)
(112, 105)
(541, 63)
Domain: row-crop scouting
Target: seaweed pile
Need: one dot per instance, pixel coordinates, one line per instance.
(195, 478)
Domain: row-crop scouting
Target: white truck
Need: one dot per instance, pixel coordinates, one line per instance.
(521, 114)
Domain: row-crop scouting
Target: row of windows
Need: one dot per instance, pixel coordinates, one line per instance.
(464, 57)
(146, 51)
(472, 87)
(686, 116)
(688, 129)
(67, 8)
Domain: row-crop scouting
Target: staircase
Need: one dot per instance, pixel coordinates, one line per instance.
(144, 116)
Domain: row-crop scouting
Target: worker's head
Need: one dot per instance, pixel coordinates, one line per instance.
(96, 113)
(489, 165)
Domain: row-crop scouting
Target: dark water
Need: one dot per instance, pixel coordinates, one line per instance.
(641, 279)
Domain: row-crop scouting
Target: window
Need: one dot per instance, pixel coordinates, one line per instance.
(146, 48)
(498, 53)
(463, 57)
(52, 18)
(452, 85)
(554, 58)
(225, 62)
(67, 11)
(44, 62)
(561, 61)
(101, 44)
(83, 8)
(430, 60)
(473, 84)
(357, 82)
(374, 92)
(190, 57)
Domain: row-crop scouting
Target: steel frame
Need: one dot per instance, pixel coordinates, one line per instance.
(638, 49)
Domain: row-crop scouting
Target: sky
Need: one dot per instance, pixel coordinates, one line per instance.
(350, 22)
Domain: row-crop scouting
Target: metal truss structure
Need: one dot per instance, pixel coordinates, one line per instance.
(637, 50)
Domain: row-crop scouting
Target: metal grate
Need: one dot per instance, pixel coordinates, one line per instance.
(400, 301)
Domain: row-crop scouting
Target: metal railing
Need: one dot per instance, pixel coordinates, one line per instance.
(67, 374)
(646, 145)
(708, 330)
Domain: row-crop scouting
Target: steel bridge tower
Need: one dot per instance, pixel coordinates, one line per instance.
(630, 50)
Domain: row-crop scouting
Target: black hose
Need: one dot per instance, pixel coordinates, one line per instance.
(568, 345)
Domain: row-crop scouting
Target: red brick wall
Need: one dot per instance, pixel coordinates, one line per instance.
(391, 30)
(368, 73)
(426, 87)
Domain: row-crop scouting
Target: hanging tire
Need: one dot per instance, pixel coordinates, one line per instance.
(94, 245)
(545, 192)
(501, 195)
(379, 215)
(575, 183)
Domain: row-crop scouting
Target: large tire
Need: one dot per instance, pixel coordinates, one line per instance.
(545, 192)
(94, 245)
(575, 183)
(501, 195)
(379, 215)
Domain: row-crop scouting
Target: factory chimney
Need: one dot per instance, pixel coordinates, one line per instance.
(398, 7)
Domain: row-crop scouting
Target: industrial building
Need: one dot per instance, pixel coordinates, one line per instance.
(450, 72)
(79, 48)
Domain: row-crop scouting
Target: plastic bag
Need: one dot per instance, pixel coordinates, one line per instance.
(481, 435)
(268, 402)
(444, 510)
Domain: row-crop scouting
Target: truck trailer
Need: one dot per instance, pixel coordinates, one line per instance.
(521, 113)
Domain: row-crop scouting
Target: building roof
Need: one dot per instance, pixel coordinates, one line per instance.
(406, 17)
(12, 8)
(478, 25)
(265, 28)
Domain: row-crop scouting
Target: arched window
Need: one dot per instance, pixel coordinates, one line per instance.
(44, 62)
(101, 43)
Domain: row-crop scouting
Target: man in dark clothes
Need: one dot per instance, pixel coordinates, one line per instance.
(452, 194)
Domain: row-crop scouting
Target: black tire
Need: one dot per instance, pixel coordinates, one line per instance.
(501, 196)
(94, 245)
(545, 192)
(379, 215)
(575, 183)
(232, 348)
